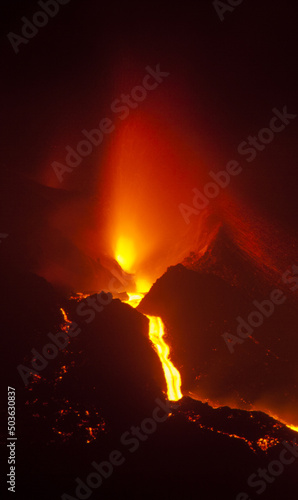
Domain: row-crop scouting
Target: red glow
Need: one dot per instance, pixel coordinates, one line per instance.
(146, 168)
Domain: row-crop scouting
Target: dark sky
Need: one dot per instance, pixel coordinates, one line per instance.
(225, 79)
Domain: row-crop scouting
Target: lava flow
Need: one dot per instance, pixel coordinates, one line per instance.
(156, 333)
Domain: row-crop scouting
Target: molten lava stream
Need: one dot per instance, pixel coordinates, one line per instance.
(293, 427)
(156, 333)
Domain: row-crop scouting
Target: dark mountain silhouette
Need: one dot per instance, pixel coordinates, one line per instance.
(201, 300)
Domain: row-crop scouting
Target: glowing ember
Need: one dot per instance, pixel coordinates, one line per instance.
(64, 316)
(156, 333)
(267, 442)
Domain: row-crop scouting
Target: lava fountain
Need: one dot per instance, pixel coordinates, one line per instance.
(144, 185)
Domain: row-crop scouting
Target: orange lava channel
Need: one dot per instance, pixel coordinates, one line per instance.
(156, 333)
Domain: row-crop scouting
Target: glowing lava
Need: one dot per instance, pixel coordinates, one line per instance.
(276, 417)
(156, 333)
(293, 427)
(126, 256)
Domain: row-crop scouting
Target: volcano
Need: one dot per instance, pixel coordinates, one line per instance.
(205, 302)
(148, 250)
(105, 390)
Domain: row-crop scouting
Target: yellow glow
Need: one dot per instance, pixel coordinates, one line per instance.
(143, 285)
(125, 254)
(156, 333)
(64, 316)
(293, 427)
(290, 426)
(134, 299)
